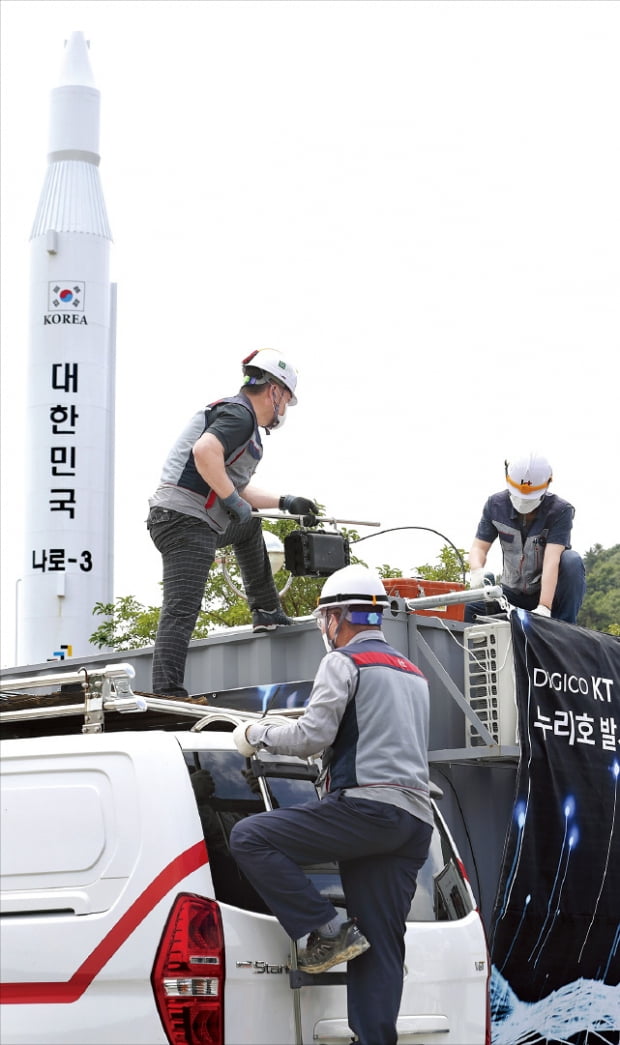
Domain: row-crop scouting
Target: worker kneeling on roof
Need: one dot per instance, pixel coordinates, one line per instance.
(540, 570)
(369, 714)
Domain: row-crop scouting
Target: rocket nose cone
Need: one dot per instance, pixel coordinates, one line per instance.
(76, 65)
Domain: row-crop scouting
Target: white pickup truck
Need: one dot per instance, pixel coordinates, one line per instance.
(124, 918)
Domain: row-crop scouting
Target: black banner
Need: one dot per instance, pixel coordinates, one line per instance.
(555, 942)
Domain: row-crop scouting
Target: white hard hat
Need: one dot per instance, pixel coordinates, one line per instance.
(272, 364)
(353, 586)
(528, 476)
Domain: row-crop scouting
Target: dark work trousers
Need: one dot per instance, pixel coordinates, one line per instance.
(569, 593)
(188, 546)
(380, 849)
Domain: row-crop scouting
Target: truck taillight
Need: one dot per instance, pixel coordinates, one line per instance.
(188, 974)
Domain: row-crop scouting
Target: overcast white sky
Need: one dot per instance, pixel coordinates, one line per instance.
(417, 202)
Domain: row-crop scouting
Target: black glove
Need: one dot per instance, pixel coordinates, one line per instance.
(238, 509)
(298, 506)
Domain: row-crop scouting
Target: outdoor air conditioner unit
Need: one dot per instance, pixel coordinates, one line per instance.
(490, 683)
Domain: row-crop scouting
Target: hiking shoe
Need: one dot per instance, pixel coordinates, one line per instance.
(175, 691)
(324, 951)
(269, 620)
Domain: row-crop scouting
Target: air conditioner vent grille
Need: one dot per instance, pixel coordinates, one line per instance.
(489, 683)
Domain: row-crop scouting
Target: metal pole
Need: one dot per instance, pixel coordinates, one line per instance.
(299, 1034)
(299, 1038)
(110, 671)
(319, 518)
(17, 584)
(489, 593)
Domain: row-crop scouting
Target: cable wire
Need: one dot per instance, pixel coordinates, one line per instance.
(428, 529)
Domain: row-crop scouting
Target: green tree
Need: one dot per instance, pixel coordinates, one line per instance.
(130, 625)
(601, 606)
(450, 566)
(386, 571)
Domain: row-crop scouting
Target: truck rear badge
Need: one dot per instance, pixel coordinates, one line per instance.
(261, 967)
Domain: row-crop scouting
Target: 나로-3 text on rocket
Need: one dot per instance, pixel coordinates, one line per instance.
(68, 529)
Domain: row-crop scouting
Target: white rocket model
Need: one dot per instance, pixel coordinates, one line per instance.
(69, 464)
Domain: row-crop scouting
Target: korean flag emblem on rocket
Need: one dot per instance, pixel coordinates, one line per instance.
(65, 297)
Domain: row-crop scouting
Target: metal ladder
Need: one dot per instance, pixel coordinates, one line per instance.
(263, 768)
(297, 978)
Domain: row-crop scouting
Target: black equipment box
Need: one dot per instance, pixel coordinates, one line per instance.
(310, 553)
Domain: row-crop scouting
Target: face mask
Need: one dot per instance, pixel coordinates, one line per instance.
(522, 505)
(278, 423)
(279, 412)
(323, 624)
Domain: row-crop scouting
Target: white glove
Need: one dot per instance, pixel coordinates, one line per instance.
(241, 741)
(476, 577)
(542, 611)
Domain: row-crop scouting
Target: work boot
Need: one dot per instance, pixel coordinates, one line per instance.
(322, 952)
(269, 620)
(173, 691)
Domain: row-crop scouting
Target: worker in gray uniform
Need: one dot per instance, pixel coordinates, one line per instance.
(369, 714)
(541, 572)
(204, 501)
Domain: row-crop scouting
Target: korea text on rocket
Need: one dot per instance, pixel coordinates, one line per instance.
(68, 525)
